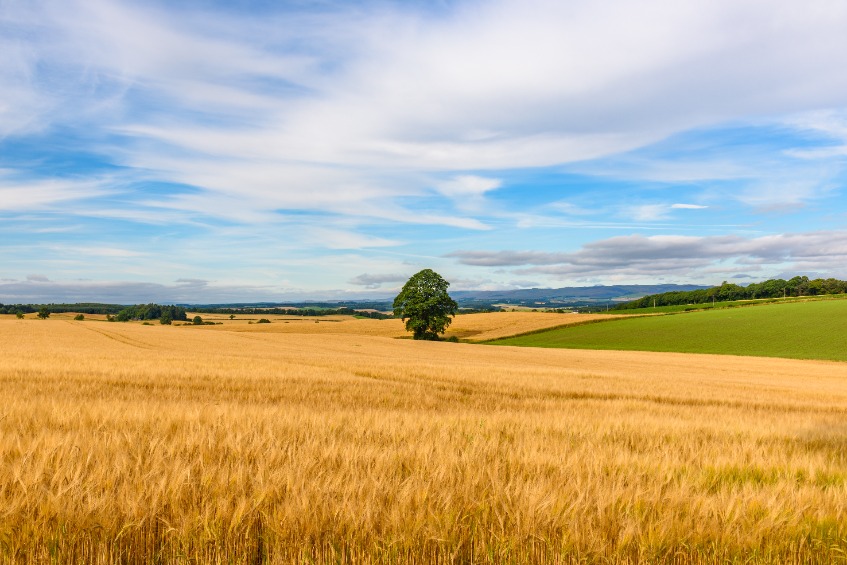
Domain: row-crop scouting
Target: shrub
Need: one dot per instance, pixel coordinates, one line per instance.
(79, 317)
(264, 321)
(197, 321)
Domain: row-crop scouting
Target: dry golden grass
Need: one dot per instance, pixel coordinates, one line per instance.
(483, 327)
(470, 327)
(131, 443)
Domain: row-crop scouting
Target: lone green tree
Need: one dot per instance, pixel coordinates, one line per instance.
(425, 306)
(44, 313)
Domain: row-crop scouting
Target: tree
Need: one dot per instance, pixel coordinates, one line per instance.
(166, 320)
(44, 313)
(79, 317)
(197, 321)
(425, 306)
(19, 315)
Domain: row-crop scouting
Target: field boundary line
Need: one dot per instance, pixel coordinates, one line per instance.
(615, 318)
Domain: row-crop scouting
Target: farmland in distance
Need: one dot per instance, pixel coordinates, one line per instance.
(798, 330)
(247, 443)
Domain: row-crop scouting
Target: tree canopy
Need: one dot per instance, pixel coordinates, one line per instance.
(773, 288)
(152, 312)
(425, 306)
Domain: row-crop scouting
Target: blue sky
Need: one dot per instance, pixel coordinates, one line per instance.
(245, 151)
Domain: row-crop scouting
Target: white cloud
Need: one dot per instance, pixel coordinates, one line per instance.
(373, 281)
(654, 212)
(480, 86)
(339, 239)
(467, 186)
(647, 212)
(685, 257)
(27, 195)
(222, 120)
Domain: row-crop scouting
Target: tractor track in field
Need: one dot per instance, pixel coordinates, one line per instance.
(120, 338)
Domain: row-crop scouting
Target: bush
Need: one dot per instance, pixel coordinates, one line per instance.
(264, 321)
(197, 321)
(19, 315)
(79, 317)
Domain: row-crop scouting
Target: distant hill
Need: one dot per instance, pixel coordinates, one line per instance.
(572, 293)
(574, 296)
(483, 299)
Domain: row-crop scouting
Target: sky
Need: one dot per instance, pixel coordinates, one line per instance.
(240, 151)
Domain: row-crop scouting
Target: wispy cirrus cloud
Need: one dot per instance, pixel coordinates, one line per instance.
(237, 89)
(352, 129)
(21, 194)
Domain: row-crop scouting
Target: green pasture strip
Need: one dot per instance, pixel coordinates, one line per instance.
(726, 304)
(798, 330)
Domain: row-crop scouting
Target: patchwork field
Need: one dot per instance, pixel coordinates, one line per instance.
(798, 330)
(469, 327)
(250, 444)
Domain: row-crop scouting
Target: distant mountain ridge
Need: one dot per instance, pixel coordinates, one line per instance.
(549, 297)
(574, 293)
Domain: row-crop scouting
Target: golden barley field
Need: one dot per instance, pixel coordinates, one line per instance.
(239, 443)
(468, 327)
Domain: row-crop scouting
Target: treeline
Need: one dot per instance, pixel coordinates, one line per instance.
(152, 312)
(487, 310)
(123, 313)
(113, 312)
(344, 311)
(82, 308)
(726, 292)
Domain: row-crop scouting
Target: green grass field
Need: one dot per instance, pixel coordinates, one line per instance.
(799, 330)
(726, 304)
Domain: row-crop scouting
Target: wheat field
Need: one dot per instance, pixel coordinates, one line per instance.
(468, 327)
(123, 443)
